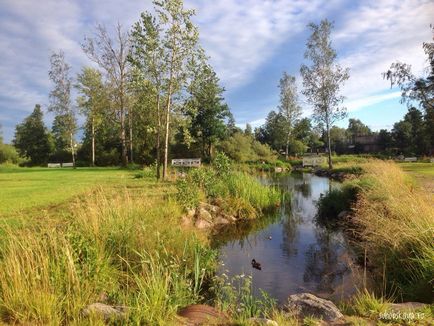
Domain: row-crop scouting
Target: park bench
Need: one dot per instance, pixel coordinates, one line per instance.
(54, 165)
(186, 162)
(67, 165)
(410, 159)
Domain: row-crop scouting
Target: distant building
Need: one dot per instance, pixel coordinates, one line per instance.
(367, 143)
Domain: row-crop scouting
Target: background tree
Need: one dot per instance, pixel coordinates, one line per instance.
(323, 79)
(60, 99)
(179, 41)
(248, 130)
(289, 109)
(31, 138)
(206, 109)
(92, 102)
(147, 57)
(111, 55)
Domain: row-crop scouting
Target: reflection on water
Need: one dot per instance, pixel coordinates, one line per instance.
(295, 253)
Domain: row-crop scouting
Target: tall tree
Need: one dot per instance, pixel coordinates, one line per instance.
(179, 41)
(322, 80)
(147, 57)
(206, 109)
(31, 137)
(289, 108)
(60, 98)
(415, 88)
(92, 102)
(111, 55)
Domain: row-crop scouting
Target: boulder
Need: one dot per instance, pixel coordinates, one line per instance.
(221, 220)
(185, 221)
(191, 213)
(202, 224)
(210, 208)
(106, 311)
(203, 214)
(199, 314)
(306, 304)
(261, 321)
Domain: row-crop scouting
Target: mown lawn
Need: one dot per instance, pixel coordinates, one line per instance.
(30, 188)
(426, 169)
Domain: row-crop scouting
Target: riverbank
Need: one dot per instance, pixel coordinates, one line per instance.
(392, 219)
(124, 246)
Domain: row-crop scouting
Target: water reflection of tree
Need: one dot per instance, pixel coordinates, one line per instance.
(322, 262)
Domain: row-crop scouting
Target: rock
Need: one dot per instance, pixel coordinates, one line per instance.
(306, 304)
(199, 314)
(228, 217)
(191, 213)
(202, 224)
(405, 306)
(342, 215)
(262, 321)
(185, 221)
(106, 311)
(210, 208)
(204, 214)
(221, 220)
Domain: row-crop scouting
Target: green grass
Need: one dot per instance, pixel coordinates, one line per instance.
(28, 188)
(423, 169)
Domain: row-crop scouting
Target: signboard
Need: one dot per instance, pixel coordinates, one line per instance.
(186, 162)
(313, 160)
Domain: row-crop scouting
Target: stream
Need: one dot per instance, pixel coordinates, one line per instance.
(296, 254)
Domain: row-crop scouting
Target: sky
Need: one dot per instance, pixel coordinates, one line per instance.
(250, 44)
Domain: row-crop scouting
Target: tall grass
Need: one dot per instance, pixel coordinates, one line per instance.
(127, 249)
(396, 221)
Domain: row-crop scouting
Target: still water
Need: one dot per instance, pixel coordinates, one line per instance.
(295, 252)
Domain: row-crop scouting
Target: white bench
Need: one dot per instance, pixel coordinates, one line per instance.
(186, 162)
(410, 159)
(67, 165)
(54, 165)
(313, 160)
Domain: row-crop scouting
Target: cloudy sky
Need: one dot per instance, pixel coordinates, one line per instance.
(250, 42)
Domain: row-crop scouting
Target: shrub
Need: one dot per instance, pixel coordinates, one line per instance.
(188, 195)
(222, 164)
(8, 154)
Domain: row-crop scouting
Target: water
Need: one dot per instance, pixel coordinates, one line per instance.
(296, 254)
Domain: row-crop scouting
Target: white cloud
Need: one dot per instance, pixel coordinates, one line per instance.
(241, 35)
(363, 102)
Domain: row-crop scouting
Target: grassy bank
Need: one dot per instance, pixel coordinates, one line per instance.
(119, 247)
(394, 222)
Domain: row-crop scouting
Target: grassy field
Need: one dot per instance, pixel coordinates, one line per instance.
(28, 188)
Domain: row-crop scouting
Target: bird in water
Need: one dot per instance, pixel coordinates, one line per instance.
(256, 265)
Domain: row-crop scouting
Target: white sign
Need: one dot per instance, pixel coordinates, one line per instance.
(54, 165)
(313, 160)
(186, 162)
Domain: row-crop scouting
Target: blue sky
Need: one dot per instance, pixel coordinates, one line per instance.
(250, 42)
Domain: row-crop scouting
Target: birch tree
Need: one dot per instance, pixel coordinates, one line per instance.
(323, 79)
(111, 55)
(289, 108)
(60, 98)
(92, 102)
(179, 40)
(147, 57)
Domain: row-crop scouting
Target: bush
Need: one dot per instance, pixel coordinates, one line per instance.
(188, 195)
(222, 164)
(8, 154)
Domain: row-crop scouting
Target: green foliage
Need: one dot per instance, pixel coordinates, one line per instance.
(188, 194)
(236, 297)
(222, 164)
(31, 138)
(243, 148)
(8, 154)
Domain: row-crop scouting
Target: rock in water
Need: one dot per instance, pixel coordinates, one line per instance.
(106, 311)
(306, 304)
(199, 314)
